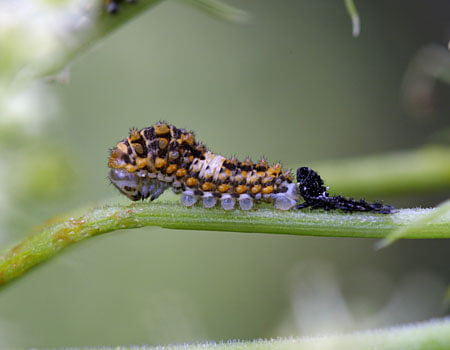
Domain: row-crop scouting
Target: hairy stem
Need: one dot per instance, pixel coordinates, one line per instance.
(102, 23)
(51, 240)
(430, 335)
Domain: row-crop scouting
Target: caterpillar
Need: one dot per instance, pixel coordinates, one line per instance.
(151, 160)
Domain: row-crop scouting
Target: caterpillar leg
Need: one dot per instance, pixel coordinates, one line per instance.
(287, 198)
(126, 182)
(245, 202)
(157, 189)
(188, 198)
(227, 202)
(209, 200)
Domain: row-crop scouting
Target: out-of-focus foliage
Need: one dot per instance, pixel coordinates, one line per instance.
(34, 36)
(430, 66)
(426, 169)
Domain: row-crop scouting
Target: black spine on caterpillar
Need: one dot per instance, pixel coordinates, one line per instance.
(315, 195)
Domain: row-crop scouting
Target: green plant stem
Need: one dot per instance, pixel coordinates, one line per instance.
(405, 172)
(353, 12)
(431, 335)
(103, 23)
(51, 240)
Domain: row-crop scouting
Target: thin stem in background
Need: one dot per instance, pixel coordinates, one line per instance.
(423, 170)
(102, 24)
(353, 12)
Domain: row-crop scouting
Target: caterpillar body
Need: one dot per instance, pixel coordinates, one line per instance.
(150, 160)
(155, 158)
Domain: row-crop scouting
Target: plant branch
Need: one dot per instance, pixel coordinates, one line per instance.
(430, 335)
(100, 24)
(51, 240)
(353, 12)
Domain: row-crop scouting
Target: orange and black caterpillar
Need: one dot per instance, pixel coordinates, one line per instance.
(150, 160)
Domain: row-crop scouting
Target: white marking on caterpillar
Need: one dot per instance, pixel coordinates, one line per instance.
(210, 166)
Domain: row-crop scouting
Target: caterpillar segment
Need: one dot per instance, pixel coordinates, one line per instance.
(153, 159)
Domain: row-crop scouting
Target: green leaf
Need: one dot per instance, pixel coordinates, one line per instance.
(416, 227)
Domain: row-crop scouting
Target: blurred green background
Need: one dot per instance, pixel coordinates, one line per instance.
(291, 84)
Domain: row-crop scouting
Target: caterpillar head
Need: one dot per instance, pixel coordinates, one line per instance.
(127, 183)
(137, 185)
(310, 183)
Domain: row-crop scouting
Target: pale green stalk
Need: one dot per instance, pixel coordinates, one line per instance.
(51, 240)
(353, 12)
(431, 335)
(104, 23)
(425, 169)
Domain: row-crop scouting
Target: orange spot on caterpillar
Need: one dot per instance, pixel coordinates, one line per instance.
(208, 186)
(130, 168)
(160, 162)
(141, 162)
(163, 143)
(191, 182)
(181, 173)
(240, 189)
(267, 190)
(255, 189)
(161, 129)
(223, 188)
(171, 169)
